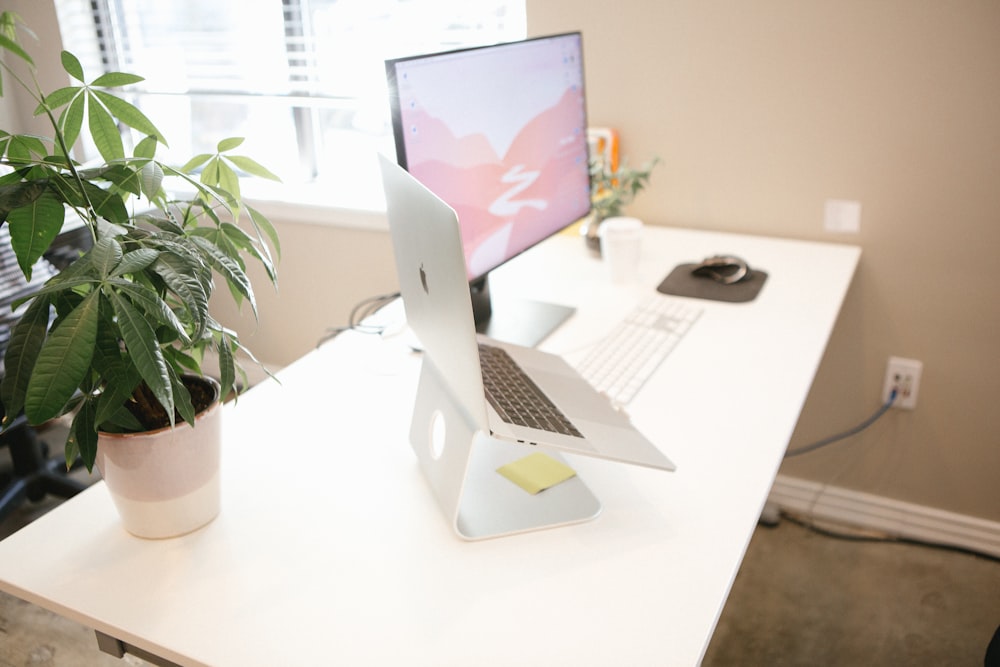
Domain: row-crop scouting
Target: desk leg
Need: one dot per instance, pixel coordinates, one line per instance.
(118, 648)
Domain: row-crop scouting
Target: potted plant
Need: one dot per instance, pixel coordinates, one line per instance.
(612, 189)
(118, 337)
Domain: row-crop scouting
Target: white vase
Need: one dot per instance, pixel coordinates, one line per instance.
(165, 483)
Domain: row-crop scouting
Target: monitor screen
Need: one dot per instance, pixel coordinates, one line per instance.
(499, 133)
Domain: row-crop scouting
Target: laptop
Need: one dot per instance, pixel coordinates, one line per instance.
(432, 277)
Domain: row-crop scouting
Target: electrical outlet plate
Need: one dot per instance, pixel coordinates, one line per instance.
(904, 376)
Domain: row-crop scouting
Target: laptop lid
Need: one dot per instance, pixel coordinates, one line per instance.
(438, 307)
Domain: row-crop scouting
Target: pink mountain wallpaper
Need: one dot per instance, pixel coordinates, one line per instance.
(506, 203)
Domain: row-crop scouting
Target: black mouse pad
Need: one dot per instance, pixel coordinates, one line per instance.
(681, 282)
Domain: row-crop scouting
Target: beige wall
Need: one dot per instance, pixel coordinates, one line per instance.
(16, 105)
(324, 272)
(761, 111)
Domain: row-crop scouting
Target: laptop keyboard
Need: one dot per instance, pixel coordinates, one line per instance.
(516, 398)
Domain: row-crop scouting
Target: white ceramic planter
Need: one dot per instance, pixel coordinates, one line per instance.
(165, 483)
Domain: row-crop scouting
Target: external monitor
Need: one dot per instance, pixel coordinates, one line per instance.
(499, 133)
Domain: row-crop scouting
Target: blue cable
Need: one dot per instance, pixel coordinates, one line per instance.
(846, 434)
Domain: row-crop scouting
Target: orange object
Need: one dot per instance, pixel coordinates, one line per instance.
(604, 147)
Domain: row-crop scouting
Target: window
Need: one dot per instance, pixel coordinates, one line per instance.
(303, 80)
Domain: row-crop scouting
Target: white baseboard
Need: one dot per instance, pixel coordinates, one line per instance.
(885, 515)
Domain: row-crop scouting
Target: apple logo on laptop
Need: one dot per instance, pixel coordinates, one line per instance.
(423, 279)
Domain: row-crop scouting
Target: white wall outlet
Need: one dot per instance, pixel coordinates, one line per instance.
(842, 216)
(903, 375)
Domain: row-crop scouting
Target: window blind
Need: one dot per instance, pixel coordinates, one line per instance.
(302, 74)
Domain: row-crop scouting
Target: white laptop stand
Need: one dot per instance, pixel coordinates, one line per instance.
(460, 463)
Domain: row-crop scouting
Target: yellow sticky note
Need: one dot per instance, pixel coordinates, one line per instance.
(536, 472)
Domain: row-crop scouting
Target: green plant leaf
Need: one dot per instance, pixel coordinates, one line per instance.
(79, 270)
(181, 278)
(206, 193)
(108, 354)
(71, 120)
(104, 131)
(105, 228)
(116, 79)
(119, 386)
(135, 260)
(162, 223)
(195, 162)
(152, 179)
(10, 45)
(55, 287)
(105, 256)
(146, 148)
(58, 98)
(59, 161)
(129, 114)
(240, 348)
(107, 204)
(25, 148)
(26, 339)
(65, 301)
(263, 225)
(150, 303)
(265, 260)
(240, 239)
(230, 270)
(82, 439)
(18, 194)
(36, 145)
(119, 421)
(182, 361)
(118, 377)
(62, 363)
(182, 397)
(125, 176)
(210, 173)
(227, 365)
(229, 144)
(230, 182)
(72, 66)
(251, 166)
(203, 208)
(143, 350)
(33, 228)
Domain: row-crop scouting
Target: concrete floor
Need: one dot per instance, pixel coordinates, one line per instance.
(801, 598)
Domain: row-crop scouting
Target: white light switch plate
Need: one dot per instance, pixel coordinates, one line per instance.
(842, 216)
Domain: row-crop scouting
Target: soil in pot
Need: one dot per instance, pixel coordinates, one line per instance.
(153, 416)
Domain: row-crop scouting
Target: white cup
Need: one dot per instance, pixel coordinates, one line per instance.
(621, 244)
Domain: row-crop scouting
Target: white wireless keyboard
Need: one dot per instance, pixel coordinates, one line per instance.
(621, 363)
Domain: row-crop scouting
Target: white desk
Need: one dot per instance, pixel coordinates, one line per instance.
(331, 550)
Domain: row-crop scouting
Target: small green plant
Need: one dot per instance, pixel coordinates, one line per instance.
(111, 336)
(613, 190)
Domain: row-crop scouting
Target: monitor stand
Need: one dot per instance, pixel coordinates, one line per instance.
(512, 320)
(459, 461)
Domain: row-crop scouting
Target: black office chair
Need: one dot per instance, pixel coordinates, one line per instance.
(33, 474)
(992, 658)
